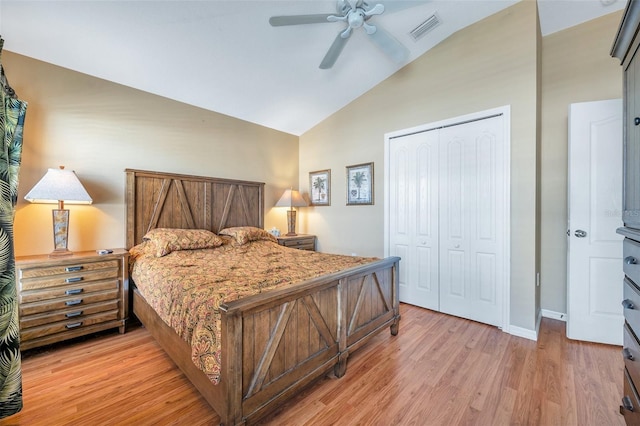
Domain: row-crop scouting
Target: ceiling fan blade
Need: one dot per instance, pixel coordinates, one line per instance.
(389, 45)
(333, 52)
(279, 21)
(378, 9)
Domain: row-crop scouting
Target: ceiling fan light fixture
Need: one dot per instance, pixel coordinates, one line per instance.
(426, 26)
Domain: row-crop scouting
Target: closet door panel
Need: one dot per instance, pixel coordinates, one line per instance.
(471, 211)
(414, 217)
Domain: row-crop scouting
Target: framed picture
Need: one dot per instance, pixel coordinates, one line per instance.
(320, 188)
(360, 184)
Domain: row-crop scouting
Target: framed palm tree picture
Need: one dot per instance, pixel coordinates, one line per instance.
(320, 187)
(360, 184)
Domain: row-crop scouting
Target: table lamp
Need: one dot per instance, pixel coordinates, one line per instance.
(59, 186)
(291, 199)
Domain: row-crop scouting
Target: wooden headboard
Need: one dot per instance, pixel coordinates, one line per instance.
(168, 200)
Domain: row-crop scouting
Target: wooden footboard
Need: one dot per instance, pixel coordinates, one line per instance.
(276, 343)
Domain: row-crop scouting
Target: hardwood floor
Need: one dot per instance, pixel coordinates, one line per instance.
(439, 370)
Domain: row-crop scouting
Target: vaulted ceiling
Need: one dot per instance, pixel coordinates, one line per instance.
(224, 56)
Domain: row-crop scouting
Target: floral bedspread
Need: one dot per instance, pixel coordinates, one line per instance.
(187, 287)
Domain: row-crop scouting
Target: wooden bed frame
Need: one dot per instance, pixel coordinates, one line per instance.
(275, 343)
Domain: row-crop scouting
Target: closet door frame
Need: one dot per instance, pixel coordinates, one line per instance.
(505, 112)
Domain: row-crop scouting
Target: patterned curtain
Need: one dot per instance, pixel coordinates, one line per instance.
(12, 113)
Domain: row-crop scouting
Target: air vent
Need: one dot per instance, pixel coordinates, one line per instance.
(419, 31)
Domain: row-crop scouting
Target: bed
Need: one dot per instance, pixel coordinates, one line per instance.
(276, 342)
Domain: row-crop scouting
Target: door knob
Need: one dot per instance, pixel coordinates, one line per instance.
(580, 233)
(630, 260)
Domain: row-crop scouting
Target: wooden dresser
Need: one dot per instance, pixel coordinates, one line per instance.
(625, 48)
(300, 241)
(64, 297)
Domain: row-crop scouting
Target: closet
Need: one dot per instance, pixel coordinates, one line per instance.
(447, 214)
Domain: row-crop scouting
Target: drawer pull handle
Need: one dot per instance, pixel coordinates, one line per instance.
(73, 302)
(73, 268)
(73, 291)
(626, 403)
(73, 280)
(73, 325)
(630, 260)
(626, 353)
(73, 314)
(627, 304)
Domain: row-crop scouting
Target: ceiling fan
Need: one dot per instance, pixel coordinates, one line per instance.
(356, 14)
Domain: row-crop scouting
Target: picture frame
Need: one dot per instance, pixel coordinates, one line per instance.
(360, 185)
(320, 188)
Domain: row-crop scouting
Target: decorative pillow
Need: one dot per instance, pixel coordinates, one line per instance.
(244, 234)
(166, 240)
(139, 250)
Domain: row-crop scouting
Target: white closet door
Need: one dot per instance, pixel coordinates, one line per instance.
(413, 227)
(472, 198)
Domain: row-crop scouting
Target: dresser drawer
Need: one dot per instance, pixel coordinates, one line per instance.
(71, 268)
(34, 279)
(631, 259)
(630, 407)
(74, 313)
(631, 304)
(631, 354)
(78, 289)
(76, 301)
(300, 242)
(64, 326)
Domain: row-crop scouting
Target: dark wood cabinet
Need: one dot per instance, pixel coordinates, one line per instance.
(625, 48)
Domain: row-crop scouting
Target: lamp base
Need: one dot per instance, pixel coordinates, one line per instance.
(291, 223)
(60, 253)
(60, 233)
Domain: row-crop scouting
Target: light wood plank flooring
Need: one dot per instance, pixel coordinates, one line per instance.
(439, 370)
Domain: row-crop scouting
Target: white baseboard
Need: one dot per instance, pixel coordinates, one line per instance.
(560, 316)
(523, 332)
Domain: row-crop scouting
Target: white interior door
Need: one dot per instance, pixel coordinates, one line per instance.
(472, 206)
(594, 282)
(447, 216)
(414, 222)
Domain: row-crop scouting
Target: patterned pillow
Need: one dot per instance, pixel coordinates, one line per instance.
(244, 234)
(166, 240)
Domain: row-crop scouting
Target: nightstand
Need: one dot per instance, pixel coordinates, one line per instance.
(300, 241)
(65, 297)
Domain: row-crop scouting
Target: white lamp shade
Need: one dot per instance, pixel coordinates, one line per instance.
(59, 185)
(290, 199)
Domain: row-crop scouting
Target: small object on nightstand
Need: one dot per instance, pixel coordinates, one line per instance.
(299, 241)
(104, 251)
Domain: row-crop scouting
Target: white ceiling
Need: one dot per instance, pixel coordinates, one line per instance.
(222, 55)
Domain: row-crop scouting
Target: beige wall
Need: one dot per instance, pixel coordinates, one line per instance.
(577, 67)
(490, 64)
(98, 129)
